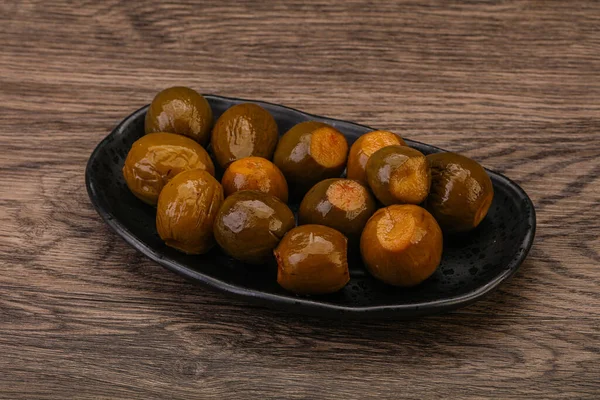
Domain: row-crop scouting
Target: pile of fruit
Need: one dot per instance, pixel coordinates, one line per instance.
(393, 203)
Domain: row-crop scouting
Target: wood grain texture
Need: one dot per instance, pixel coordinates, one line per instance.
(514, 84)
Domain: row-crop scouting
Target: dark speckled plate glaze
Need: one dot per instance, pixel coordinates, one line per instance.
(472, 265)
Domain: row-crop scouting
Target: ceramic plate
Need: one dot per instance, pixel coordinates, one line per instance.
(472, 264)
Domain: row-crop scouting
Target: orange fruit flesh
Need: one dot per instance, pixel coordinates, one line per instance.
(346, 195)
(395, 229)
(252, 170)
(409, 182)
(254, 173)
(403, 245)
(328, 147)
(364, 147)
(376, 140)
(249, 165)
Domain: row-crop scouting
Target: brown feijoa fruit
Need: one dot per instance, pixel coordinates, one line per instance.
(364, 147)
(186, 211)
(399, 175)
(310, 152)
(341, 204)
(312, 259)
(402, 245)
(461, 192)
(156, 158)
(255, 173)
(244, 130)
(250, 224)
(180, 110)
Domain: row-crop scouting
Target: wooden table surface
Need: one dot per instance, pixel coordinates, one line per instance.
(514, 84)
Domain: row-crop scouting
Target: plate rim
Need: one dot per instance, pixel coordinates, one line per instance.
(307, 305)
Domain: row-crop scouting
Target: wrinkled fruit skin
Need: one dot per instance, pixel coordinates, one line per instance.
(186, 210)
(180, 110)
(250, 224)
(255, 173)
(294, 156)
(401, 245)
(312, 259)
(399, 175)
(244, 130)
(461, 192)
(156, 158)
(342, 204)
(363, 149)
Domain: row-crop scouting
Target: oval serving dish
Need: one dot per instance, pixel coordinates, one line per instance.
(473, 264)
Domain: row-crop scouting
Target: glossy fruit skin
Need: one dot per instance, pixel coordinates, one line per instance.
(180, 110)
(255, 173)
(312, 259)
(293, 157)
(250, 224)
(342, 204)
(363, 149)
(156, 158)
(410, 263)
(461, 192)
(382, 166)
(244, 130)
(187, 207)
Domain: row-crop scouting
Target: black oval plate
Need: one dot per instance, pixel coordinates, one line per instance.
(472, 264)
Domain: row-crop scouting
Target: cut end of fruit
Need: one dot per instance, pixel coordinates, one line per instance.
(376, 140)
(249, 165)
(410, 181)
(347, 195)
(328, 147)
(395, 228)
(250, 169)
